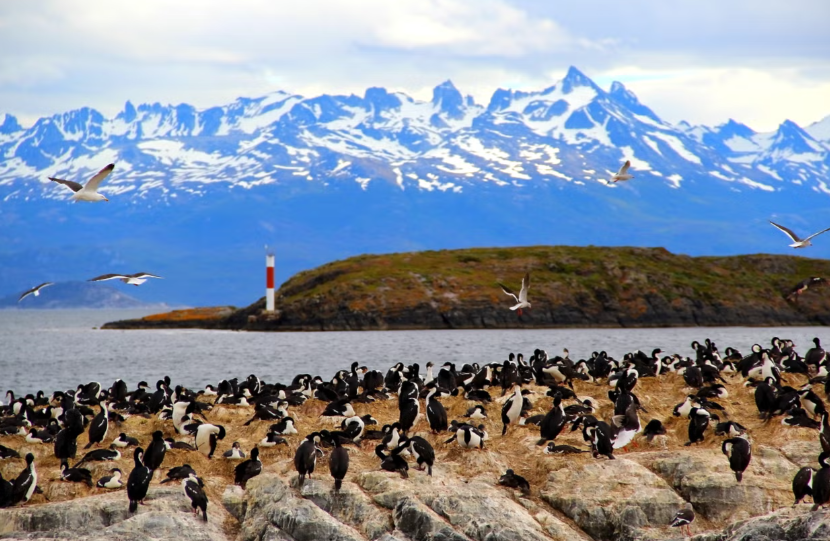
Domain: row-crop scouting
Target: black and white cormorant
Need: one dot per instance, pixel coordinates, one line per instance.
(139, 480)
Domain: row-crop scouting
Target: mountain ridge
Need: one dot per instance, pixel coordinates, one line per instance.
(196, 192)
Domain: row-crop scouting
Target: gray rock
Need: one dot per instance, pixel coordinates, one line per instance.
(420, 523)
(602, 496)
(703, 477)
(351, 506)
(107, 517)
(784, 525)
(270, 504)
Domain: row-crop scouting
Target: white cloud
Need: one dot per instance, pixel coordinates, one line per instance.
(757, 98)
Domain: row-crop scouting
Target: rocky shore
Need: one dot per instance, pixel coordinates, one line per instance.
(570, 287)
(572, 497)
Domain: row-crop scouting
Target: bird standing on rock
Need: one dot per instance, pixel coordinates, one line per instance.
(138, 481)
(193, 489)
(739, 452)
(248, 469)
(305, 459)
(338, 463)
(512, 409)
(684, 519)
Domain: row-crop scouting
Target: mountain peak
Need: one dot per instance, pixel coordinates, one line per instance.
(446, 97)
(575, 78)
(820, 131)
(624, 96)
(10, 124)
(380, 99)
(733, 128)
(129, 113)
(791, 138)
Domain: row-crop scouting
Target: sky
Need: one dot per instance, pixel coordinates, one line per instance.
(704, 61)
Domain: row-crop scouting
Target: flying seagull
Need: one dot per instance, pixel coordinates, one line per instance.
(35, 290)
(522, 298)
(622, 174)
(135, 279)
(797, 242)
(803, 285)
(90, 191)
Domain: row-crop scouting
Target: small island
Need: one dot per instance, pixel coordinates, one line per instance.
(570, 287)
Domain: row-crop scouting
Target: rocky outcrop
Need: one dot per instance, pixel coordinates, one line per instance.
(191, 318)
(105, 518)
(602, 500)
(570, 287)
(703, 478)
(612, 499)
(784, 525)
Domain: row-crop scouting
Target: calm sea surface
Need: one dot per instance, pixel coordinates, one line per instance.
(58, 349)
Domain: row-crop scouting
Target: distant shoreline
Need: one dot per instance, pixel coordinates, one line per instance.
(571, 288)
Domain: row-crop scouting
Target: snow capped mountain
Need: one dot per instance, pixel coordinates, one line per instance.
(820, 131)
(573, 131)
(333, 175)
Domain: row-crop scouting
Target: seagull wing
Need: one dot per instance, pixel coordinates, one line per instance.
(101, 175)
(525, 287)
(789, 233)
(509, 292)
(144, 275)
(107, 277)
(624, 168)
(817, 234)
(74, 186)
(26, 294)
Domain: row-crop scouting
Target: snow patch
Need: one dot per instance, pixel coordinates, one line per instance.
(758, 185)
(677, 146)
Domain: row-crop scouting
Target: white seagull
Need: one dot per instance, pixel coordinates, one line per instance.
(135, 279)
(622, 174)
(797, 242)
(90, 191)
(35, 291)
(522, 298)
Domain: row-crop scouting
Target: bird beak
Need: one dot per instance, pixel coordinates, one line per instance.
(107, 200)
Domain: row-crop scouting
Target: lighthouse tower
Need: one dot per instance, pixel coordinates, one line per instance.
(269, 282)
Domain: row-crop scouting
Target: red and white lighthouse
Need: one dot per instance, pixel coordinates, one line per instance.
(269, 282)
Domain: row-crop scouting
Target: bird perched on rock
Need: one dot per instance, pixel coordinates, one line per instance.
(235, 452)
(178, 473)
(338, 463)
(553, 449)
(75, 475)
(26, 482)
(305, 459)
(192, 487)
(422, 451)
(393, 462)
(821, 479)
(512, 409)
(683, 519)
(510, 479)
(247, 469)
(138, 481)
(111, 481)
(739, 452)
